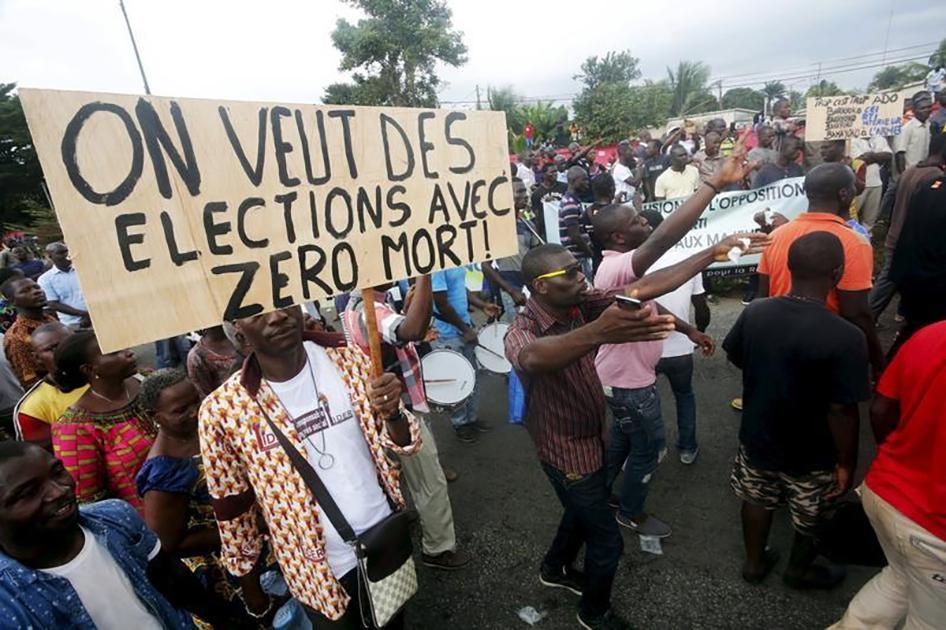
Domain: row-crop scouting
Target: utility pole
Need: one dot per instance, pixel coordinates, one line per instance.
(478, 106)
(134, 45)
(719, 84)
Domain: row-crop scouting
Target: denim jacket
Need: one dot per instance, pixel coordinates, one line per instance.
(36, 599)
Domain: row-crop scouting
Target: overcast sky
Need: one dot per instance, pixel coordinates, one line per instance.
(280, 50)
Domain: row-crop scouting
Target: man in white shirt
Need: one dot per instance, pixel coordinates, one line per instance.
(676, 359)
(625, 179)
(913, 144)
(524, 170)
(61, 286)
(680, 180)
(875, 152)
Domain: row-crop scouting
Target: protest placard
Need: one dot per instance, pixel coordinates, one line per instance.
(855, 116)
(182, 213)
(733, 212)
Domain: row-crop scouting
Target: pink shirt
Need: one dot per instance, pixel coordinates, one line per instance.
(625, 365)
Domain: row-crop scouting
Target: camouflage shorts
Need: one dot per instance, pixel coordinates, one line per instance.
(769, 489)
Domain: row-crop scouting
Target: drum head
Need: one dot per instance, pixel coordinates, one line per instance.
(448, 377)
(491, 352)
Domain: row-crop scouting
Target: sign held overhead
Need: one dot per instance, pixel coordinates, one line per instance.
(182, 213)
(856, 116)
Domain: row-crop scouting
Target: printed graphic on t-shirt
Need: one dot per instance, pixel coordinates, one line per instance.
(319, 419)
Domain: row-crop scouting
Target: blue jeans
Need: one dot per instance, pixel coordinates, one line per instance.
(679, 371)
(587, 521)
(171, 353)
(637, 438)
(465, 413)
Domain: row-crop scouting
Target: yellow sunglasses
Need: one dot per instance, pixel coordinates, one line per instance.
(569, 272)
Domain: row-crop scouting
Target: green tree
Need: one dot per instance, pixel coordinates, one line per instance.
(393, 52)
(614, 67)
(609, 106)
(21, 177)
(689, 88)
(743, 97)
(896, 77)
(547, 119)
(824, 88)
(797, 100)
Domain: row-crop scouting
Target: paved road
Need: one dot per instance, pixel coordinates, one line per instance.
(506, 514)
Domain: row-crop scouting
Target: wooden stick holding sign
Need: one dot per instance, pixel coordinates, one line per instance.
(373, 336)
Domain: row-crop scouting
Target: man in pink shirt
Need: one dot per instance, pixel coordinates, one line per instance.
(628, 371)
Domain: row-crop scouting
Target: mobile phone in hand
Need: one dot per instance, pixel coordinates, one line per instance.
(628, 303)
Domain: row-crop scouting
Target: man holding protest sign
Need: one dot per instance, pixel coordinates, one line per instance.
(319, 395)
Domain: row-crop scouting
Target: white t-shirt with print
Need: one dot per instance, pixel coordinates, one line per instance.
(352, 480)
(104, 588)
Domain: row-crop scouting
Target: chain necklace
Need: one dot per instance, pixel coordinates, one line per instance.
(326, 460)
(106, 398)
(802, 298)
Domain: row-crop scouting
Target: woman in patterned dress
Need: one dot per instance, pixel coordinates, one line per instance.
(103, 438)
(172, 484)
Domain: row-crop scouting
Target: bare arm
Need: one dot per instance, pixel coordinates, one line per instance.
(665, 280)
(701, 312)
(417, 315)
(166, 515)
(65, 308)
(855, 308)
(446, 312)
(844, 423)
(884, 417)
(496, 278)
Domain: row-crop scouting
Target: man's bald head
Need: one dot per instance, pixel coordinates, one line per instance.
(816, 257)
(830, 187)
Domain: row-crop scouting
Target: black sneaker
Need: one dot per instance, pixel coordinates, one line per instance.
(480, 426)
(614, 501)
(466, 433)
(609, 621)
(568, 578)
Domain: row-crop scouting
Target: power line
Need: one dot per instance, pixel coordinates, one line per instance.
(802, 73)
(828, 61)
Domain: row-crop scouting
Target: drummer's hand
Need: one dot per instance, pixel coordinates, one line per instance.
(469, 335)
(384, 394)
(432, 334)
(490, 310)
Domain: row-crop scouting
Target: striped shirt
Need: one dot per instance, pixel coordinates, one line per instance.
(565, 409)
(569, 214)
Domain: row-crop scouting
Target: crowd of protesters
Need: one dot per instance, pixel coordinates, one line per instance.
(160, 500)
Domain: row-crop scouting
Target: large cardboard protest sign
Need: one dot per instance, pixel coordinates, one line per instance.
(857, 116)
(733, 212)
(182, 213)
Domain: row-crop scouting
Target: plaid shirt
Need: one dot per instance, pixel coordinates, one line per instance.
(565, 409)
(356, 332)
(248, 474)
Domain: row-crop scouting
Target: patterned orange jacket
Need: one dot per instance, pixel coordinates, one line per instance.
(248, 474)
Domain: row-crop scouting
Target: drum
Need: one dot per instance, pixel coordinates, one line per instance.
(449, 379)
(490, 349)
